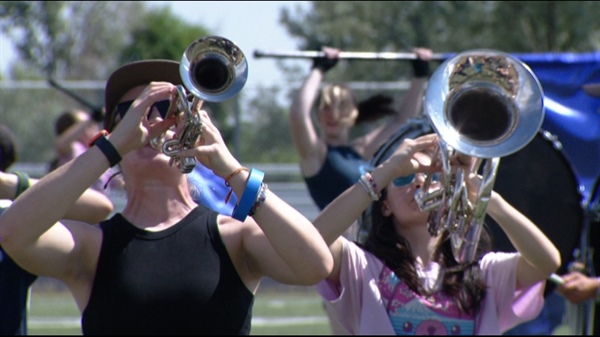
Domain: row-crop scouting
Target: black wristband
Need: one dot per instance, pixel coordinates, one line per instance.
(324, 63)
(22, 182)
(420, 68)
(107, 148)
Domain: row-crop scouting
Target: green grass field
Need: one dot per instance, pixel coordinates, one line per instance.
(276, 312)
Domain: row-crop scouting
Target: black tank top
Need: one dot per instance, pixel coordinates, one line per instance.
(342, 168)
(14, 295)
(179, 281)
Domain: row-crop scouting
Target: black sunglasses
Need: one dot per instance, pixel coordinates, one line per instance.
(161, 106)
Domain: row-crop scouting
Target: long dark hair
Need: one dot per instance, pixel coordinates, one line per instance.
(374, 108)
(8, 148)
(463, 282)
(368, 110)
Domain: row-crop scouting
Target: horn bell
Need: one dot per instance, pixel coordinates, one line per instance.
(484, 103)
(213, 69)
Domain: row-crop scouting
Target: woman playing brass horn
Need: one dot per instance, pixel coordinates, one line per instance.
(164, 265)
(398, 279)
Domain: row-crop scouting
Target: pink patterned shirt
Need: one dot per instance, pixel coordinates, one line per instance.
(368, 291)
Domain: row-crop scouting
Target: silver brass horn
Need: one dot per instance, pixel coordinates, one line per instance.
(212, 69)
(484, 104)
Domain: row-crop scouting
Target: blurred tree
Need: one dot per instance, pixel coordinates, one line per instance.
(266, 130)
(546, 26)
(443, 26)
(68, 39)
(161, 34)
(78, 40)
(167, 37)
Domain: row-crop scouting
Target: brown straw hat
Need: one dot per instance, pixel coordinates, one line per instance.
(133, 74)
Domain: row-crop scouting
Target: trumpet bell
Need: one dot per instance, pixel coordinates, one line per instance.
(485, 103)
(213, 69)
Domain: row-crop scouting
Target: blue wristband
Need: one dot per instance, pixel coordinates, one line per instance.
(242, 209)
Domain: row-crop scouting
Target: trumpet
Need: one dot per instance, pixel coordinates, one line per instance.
(212, 69)
(484, 104)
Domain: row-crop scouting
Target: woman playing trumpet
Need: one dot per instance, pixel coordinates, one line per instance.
(401, 280)
(164, 265)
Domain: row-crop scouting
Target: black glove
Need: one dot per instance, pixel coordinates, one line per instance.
(324, 63)
(420, 68)
(97, 115)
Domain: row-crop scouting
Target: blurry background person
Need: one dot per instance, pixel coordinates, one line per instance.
(8, 148)
(15, 282)
(579, 288)
(330, 161)
(74, 129)
(582, 283)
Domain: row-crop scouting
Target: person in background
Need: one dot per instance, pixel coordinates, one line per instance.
(330, 161)
(15, 282)
(399, 279)
(164, 265)
(8, 148)
(74, 129)
(579, 287)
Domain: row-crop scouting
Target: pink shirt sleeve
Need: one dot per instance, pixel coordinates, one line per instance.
(504, 307)
(355, 306)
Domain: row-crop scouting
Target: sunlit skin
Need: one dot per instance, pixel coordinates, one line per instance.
(578, 288)
(402, 201)
(409, 220)
(336, 124)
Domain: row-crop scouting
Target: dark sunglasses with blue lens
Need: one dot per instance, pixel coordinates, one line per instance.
(161, 106)
(409, 179)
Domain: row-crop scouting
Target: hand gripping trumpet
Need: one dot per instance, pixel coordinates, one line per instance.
(484, 104)
(212, 69)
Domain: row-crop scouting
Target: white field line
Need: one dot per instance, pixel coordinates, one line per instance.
(73, 322)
